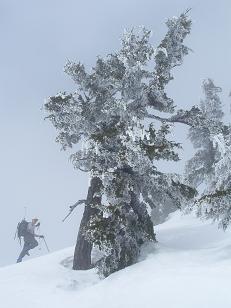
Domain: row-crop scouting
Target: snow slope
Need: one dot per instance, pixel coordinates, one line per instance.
(190, 267)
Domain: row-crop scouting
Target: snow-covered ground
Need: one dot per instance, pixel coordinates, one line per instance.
(190, 267)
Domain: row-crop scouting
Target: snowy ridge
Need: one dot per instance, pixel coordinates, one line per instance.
(190, 267)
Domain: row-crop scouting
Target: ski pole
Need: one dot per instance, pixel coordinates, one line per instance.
(15, 235)
(46, 244)
(25, 210)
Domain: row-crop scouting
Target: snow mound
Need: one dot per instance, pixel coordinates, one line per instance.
(190, 267)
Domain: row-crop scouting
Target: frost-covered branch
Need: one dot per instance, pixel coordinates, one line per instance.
(190, 117)
(169, 53)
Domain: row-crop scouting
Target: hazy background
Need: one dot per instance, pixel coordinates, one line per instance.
(37, 37)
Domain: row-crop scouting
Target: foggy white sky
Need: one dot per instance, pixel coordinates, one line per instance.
(37, 37)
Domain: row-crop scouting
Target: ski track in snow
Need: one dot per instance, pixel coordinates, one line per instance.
(189, 267)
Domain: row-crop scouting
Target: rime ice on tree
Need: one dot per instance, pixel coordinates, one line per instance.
(211, 163)
(200, 167)
(107, 114)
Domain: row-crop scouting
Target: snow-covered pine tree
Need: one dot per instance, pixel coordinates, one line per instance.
(200, 168)
(211, 163)
(107, 113)
(215, 202)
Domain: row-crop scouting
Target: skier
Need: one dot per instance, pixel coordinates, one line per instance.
(29, 237)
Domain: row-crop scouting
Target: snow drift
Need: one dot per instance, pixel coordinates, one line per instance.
(190, 267)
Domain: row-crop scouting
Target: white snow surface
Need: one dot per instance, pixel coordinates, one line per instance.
(190, 267)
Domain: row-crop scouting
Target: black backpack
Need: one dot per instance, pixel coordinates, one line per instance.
(22, 229)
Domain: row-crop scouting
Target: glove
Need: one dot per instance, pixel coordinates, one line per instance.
(41, 236)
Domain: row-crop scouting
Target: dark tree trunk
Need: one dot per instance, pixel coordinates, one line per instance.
(143, 216)
(83, 248)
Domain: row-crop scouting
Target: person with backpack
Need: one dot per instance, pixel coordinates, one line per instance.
(27, 231)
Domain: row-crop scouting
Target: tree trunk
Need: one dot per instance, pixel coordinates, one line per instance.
(143, 216)
(83, 248)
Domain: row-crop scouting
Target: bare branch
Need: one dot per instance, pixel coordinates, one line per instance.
(72, 207)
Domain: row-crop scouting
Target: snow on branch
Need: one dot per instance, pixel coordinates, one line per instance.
(190, 117)
(169, 54)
